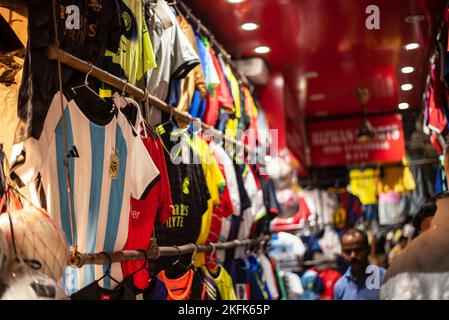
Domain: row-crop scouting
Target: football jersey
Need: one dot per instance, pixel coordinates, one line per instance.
(155, 289)
(175, 56)
(134, 56)
(94, 292)
(220, 212)
(143, 212)
(232, 185)
(269, 275)
(215, 183)
(99, 30)
(250, 214)
(223, 282)
(329, 277)
(108, 164)
(364, 184)
(349, 210)
(189, 286)
(190, 196)
(220, 98)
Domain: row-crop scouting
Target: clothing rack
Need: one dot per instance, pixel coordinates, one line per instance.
(154, 252)
(205, 31)
(66, 58)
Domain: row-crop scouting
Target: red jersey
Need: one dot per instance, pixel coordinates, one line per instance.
(221, 98)
(143, 212)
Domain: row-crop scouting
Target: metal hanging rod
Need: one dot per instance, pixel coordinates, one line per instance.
(142, 95)
(205, 31)
(154, 252)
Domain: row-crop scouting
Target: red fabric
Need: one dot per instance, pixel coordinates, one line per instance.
(437, 121)
(143, 213)
(221, 98)
(223, 210)
(329, 277)
(436, 144)
(302, 215)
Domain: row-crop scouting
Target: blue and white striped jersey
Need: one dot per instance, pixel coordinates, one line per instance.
(108, 164)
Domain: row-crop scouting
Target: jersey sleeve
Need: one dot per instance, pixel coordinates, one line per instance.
(184, 57)
(28, 157)
(144, 173)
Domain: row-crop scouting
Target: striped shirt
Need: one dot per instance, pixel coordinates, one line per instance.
(108, 164)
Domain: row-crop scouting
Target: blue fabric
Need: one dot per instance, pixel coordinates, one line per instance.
(174, 92)
(97, 141)
(371, 212)
(224, 117)
(239, 272)
(198, 105)
(258, 281)
(115, 199)
(312, 285)
(440, 181)
(346, 289)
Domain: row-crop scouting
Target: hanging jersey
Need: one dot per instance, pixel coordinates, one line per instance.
(190, 196)
(223, 282)
(215, 184)
(175, 56)
(143, 212)
(187, 287)
(134, 56)
(220, 212)
(155, 290)
(364, 184)
(94, 292)
(108, 164)
(99, 30)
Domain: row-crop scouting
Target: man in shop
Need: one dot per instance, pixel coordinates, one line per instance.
(362, 280)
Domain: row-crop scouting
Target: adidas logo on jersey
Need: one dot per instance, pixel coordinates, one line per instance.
(73, 153)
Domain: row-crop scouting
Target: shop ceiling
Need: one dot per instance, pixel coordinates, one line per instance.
(325, 52)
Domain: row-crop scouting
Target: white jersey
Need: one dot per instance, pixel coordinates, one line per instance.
(108, 164)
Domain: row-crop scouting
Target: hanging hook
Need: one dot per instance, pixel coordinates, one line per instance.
(124, 87)
(88, 74)
(110, 262)
(193, 256)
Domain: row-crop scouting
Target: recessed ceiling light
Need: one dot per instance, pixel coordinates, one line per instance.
(262, 49)
(403, 105)
(406, 87)
(412, 46)
(414, 18)
(249, 26)
(234, 1)
(407, 69)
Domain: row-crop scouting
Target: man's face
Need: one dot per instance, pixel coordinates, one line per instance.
(354, 250)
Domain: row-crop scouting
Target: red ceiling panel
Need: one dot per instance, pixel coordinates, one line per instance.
(329, 37)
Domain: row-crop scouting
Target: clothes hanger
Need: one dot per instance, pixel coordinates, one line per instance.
(193, 256)
(144, 265)
(108, 270)
(86, 84)
(171, 272)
